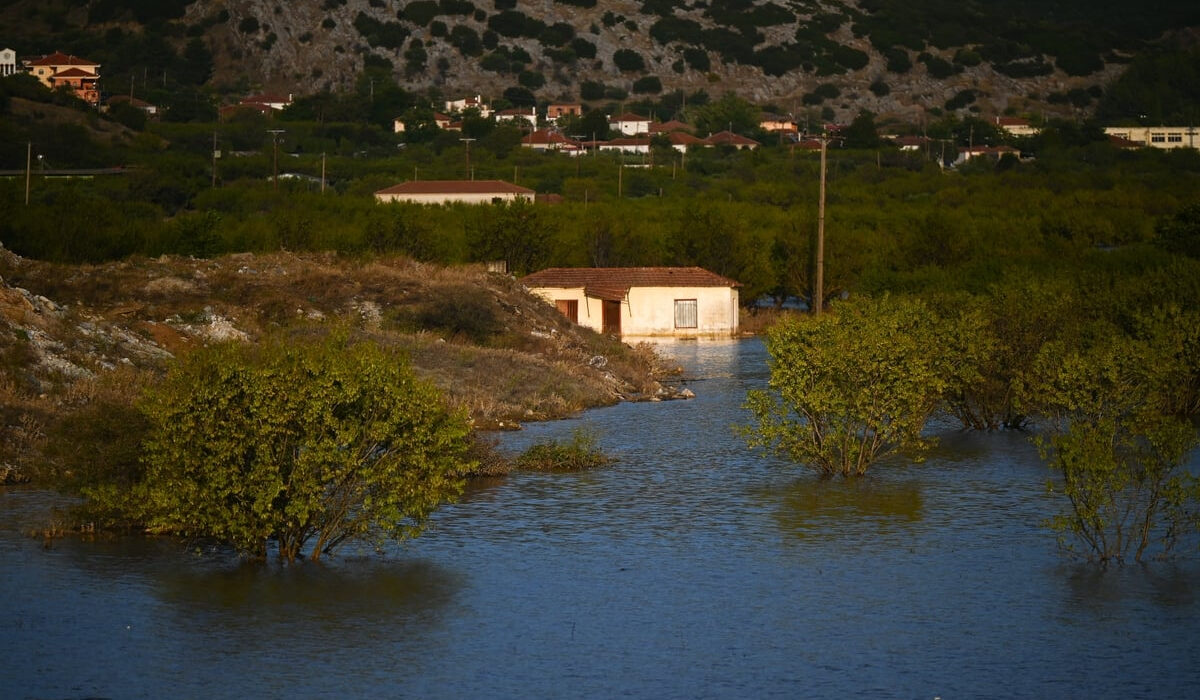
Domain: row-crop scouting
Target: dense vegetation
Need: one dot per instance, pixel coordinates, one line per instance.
(1013, 271)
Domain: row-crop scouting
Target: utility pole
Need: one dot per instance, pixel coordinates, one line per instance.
(467, 142)
(322, 172)
(275, 151)
(28, 169)
(819, 290)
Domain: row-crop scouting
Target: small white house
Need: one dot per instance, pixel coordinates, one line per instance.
(630, 124)
(452, 191)
(676, 302)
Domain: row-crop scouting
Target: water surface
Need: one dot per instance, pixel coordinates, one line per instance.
(690, 568)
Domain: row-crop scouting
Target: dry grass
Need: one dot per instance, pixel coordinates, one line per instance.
(523, 362)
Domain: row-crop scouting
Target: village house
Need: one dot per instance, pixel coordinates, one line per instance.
(462, 105)
(80, 76)
(676, 302)
(728, 138)
(910, 143)
(1166, 137)
(272, 101)
(775, 122)
(149, 109)
(668, 127)
(440, 120)
(630, 124)
(454, 191)
(553, 112)
(638, 144)
(519, 116)
(546, 140)
(682, 141)
(1017, 126)
(995, 152)
(8, 62)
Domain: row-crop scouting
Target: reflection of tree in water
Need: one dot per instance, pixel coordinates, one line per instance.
(826, 509)
(362, 601)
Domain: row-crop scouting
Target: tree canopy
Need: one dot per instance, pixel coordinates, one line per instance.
(295, 443)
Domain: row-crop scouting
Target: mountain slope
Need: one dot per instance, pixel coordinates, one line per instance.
(894, 57)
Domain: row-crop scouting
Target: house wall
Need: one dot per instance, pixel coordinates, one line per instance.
(1166, 137)
(451, 197)
(650, 311)
(632, 128)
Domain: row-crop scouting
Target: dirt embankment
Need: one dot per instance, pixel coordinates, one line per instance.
(482, 338)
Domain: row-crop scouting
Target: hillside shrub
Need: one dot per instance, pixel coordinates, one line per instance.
(628, 60)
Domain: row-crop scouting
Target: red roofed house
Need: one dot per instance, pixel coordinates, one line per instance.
(451, 191)
(630, 124)
(78, 74)
(638, 144)
(518, 115)
(553, 112)
(677, 302)
(995, 152)
(668, 127)
(728, 138)
(547, 140)
(1017, 126)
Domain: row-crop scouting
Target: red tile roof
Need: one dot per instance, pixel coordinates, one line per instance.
(614, 282)
(75, 73)
(682, 138)
(628, 117)
(58, 58)
(723, 138)
(668, 127)
(456, 187)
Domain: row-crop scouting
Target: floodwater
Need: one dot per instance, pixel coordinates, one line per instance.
(690, 568)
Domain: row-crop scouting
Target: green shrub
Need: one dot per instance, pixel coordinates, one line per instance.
(578, 454)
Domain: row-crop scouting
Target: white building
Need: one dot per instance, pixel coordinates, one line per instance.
(451, 191)
(476, 102)
(1158, 136)
(8, 62)
(677, 302)
(630, 124)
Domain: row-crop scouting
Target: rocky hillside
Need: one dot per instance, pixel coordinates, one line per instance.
(485, 341)
(894, 58)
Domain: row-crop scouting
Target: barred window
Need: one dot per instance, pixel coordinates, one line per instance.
(685, 313)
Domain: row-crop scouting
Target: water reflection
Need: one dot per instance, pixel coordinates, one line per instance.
(832, 508)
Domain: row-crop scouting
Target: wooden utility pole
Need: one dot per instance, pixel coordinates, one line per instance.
(819, 289)
(275, 151)
(28, 169)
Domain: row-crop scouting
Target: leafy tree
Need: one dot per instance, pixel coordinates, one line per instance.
(850, 387)
(729, 112)
(1115, 442)
(326, 442)
(1180, 233)
(514, 232)
(862, 132)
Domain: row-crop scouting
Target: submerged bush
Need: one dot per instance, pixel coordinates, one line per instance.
(579, 453)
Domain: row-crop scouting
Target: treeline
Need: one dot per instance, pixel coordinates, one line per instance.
(895, 221)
